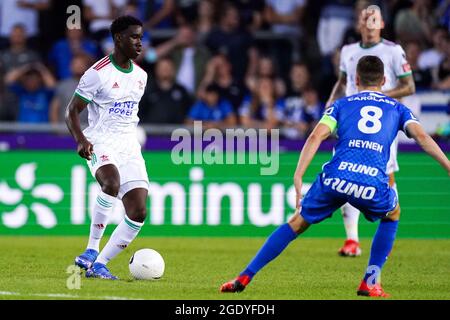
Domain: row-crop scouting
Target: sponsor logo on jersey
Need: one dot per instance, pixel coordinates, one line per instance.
(99, 226)
(350, 188)
(406, 67)
(141, 85)
(115, 85)
(124, 108)
(358, 168)
(104, 158)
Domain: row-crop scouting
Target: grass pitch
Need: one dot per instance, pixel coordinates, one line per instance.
(35, 268)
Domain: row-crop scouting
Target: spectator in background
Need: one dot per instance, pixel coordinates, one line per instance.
(186, 11)
(352, 34)
(205, 18)
(265, 69)
(165, 101)
(190, 58)
(100, 14)
(252, 12)
(161, 14)
(64, 50)
(441, 74)
(64, 90)
(285, 18)
(443, 14)
(336, 17)
(302, 108)
(16, 55)
(229, 39)
(432, 57)
(262, 109)
(23, 12)
(18, 52)
(415, 23)
(219, 72)
(422, 77)
(212, 111)
(33, 84)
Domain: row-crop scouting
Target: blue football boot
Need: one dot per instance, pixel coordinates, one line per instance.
(99, 270)
(86, 259)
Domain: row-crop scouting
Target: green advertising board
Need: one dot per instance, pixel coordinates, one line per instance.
(51, 193)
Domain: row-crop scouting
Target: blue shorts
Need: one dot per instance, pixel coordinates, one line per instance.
(327, 195)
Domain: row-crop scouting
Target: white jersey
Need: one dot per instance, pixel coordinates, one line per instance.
(392, 55)
(113, 94)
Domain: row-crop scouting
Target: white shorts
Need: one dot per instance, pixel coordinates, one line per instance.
(131, 167)
(392, 165)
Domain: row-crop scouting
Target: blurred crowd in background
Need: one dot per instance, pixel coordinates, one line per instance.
(250, 63)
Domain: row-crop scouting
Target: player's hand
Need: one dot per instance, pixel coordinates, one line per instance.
(85, 149)
(298, 181)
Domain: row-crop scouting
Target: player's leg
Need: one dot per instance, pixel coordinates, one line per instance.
(274, 245)
(382, 244)
(109, 180)
(135, 203)
(351, 247)
(317, 205)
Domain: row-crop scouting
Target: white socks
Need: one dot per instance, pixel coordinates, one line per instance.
(124, 233)
(351, 217)
(100, 215)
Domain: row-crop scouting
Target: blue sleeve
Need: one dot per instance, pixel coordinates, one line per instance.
(279, 109)
(333, 111)
(226, 108)
(17, 88)
(406, 117)
(195, 112)
(244, 108)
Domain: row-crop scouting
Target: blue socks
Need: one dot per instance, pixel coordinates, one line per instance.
(274, 245)
(381, 247)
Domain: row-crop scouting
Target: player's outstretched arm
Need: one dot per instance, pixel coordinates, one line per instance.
(424, 140)
(76, 105)
(312, 144)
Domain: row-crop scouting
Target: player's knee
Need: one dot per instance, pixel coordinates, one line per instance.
(394, 215)
(138, 214)
(111, 187)
(391, 179)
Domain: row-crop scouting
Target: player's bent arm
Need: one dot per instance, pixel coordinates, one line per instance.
(312, 144)
(424, 140)
(76, 105)
(405, 87)
(338, 89)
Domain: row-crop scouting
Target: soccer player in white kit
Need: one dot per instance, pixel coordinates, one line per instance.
(399, 83)
(111, 90)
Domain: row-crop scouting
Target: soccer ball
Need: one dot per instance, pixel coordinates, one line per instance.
(146, 264)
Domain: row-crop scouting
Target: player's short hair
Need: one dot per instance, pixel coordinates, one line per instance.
(370, 70)
(122, 23)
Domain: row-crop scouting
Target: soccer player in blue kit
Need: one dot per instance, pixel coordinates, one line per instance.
(366, 124)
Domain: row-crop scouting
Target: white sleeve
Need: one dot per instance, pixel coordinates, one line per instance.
(342, 66)
(401, 65)
(89, 85)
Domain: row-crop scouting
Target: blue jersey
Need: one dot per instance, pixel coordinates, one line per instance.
(367, 124)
